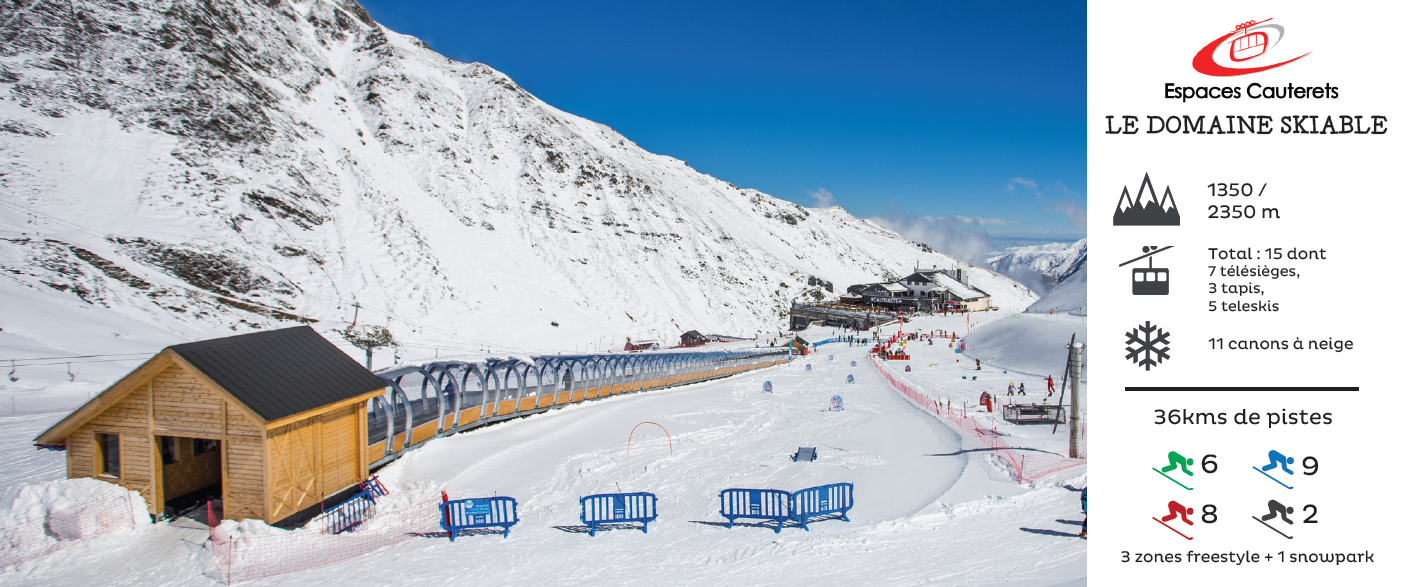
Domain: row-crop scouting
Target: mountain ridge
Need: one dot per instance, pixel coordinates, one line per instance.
(219, 166)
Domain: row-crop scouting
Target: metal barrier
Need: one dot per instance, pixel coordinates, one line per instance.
(836, 498)
(459, 515)
(757, 504)
(348, 515)
(612, 508)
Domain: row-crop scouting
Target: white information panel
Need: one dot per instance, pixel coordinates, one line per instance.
(1249, 221)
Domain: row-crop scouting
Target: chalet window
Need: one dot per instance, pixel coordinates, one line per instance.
(108, 455)
(201, 446)
(169, 449)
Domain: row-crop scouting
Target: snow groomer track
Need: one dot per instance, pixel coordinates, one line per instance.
(456, 396)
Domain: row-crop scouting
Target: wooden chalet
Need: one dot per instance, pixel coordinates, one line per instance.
(271, 422)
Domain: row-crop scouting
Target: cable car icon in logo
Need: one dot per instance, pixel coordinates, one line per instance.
(1151, 280)
(1244, 44)
(1250, 44)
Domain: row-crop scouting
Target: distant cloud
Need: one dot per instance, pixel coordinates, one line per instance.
(1020, 181)
(823, 198)
(1066, 203)
(983, 221)
(950, 235)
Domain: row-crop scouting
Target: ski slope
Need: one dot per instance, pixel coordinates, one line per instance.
(925, 513)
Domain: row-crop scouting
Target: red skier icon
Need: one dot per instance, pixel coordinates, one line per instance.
(1179, 511)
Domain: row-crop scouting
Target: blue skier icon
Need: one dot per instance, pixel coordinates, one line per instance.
(1276, 460)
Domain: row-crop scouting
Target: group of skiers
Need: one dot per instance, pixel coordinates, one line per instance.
(1014, 388)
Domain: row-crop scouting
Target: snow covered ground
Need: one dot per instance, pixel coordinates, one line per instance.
(926, 512)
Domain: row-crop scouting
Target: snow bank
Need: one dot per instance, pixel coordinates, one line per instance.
(33, 501)
(37, 519)
(1029, 343)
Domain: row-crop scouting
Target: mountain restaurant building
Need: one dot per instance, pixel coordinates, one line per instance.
(269, 423)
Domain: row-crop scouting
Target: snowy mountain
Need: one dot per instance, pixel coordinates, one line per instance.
(1069, 295)
(1039, 267)
(1146, 209)
(175, 170)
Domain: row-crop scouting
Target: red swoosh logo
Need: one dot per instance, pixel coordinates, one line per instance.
(1203, 61)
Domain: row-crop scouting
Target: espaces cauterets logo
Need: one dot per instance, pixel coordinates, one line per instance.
(1245, 50)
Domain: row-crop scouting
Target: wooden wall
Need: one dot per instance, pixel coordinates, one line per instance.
(130, 419)
(312, 458)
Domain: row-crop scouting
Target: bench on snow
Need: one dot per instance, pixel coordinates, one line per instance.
(805, 453)
(459, 515)
(615, 508)
(779, 506)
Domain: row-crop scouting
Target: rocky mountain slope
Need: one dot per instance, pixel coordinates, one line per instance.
(177, 169)
(1040, 267)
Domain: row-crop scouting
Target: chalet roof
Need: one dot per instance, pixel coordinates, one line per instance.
(280, 373)
(946, 281)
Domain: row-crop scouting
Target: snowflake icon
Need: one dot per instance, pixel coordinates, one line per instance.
(1152, 342)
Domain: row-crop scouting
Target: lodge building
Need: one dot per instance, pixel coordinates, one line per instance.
(270, 423)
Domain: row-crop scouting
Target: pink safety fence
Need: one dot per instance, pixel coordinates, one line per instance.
(241, 557)
(1025, 466)
(60, 529)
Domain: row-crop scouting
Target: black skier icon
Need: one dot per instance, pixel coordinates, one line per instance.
(1149, 281)
(1146, 209)
(1277, 460)
(1274, 509)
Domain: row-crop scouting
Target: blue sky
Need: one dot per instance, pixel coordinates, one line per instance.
(937, 117)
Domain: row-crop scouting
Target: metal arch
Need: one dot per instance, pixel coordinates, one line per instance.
(475, 369)
(523, 370)
(407, 416)
(444, 370)
(373, 402)
(427, 371)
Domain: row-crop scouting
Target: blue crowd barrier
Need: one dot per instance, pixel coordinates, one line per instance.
(613, 508)
(349, 515)
(836, 498)
(756, 504)
(479, 512)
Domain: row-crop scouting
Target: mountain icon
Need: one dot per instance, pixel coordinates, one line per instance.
(1146, 209)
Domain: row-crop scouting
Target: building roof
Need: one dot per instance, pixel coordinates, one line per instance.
(280, 373)
(946, 281)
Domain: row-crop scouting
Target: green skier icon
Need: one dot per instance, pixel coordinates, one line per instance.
(1177, 461)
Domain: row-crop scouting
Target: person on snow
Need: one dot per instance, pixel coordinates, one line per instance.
(1021, 390)
(1176, 510)
(1084, 508)
(979, 364)
(1050, 386)
(1011, 389)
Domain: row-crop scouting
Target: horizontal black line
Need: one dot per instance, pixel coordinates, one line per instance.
(1242, 388)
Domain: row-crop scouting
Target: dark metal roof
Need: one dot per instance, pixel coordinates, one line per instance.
(281, 373)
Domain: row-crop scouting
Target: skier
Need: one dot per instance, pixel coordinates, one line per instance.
(1177, 461)
(1275, 509)
(1084, 508)
(1011, 389)
(1176, 510)
(979, 364)
(1279, 459)
(1050, 386)
(1021, 390)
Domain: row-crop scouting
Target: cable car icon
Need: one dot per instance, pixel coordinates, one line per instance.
(1248, 45)
(1151, 280)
